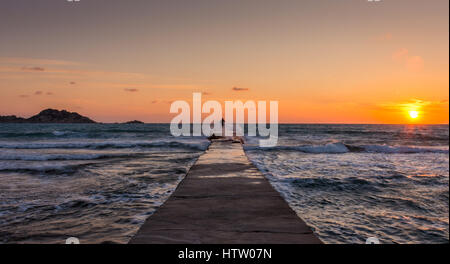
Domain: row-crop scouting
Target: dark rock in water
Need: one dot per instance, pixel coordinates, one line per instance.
(55, 116)
(12, 119)
(49, 116)
(134, 122)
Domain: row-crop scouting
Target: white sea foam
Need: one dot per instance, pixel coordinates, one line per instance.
(59, 133)
(328, 148)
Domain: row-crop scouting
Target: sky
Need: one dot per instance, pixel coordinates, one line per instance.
(324, 61)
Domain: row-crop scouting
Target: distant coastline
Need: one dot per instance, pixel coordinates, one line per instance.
(55, 116)
(134, 122)
(49, 116)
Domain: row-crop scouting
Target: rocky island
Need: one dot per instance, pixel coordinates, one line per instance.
(49, 116)
(134, 122)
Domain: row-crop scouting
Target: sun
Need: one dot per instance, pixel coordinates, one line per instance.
(413, 114)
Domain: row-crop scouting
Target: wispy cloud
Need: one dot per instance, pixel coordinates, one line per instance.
(239, 89)
(36, 93)
(132, 90)
(400, 55)
(149, 85)
(411, 62)
(34, 68)
(415, 63)
(58, 72)
(413, 104)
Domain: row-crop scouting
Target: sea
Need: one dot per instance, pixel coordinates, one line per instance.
(99, 182)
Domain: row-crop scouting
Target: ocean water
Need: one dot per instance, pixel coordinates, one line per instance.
(351, 182)
(99, 182)
(96, 182)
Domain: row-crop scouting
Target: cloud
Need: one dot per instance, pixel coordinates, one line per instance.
(400, 55)
(411, 62)
(40, 93)
(383, 37)
(75, 73)
(239, 89)
(150, 85)
(131, 90)
(26, 68)
(387, 36)
(414, 63)
(413, 104)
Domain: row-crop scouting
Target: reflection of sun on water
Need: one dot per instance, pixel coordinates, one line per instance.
(413, 114)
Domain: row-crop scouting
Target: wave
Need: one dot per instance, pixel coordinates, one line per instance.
(69, 156)
(42, 134)
(327, 148)
(337, 148)
(401, 149)
(60, 133)
(103, 145)
(40, 167)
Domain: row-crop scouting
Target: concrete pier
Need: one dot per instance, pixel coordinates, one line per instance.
(224, 199)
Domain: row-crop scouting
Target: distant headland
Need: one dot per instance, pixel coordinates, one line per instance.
(49, 116)
(55, 116)
(134, 122)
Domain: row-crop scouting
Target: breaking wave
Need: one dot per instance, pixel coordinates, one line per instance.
(337, 148)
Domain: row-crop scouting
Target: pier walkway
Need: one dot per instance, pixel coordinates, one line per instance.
(224, 199)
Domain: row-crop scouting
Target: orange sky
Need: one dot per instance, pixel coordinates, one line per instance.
(325, 61)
